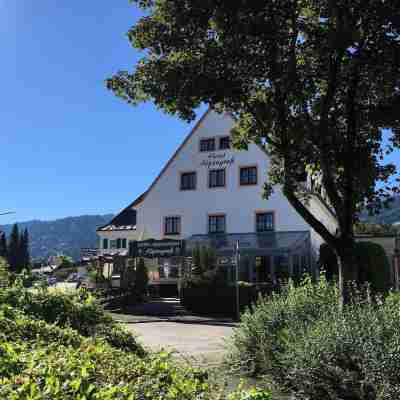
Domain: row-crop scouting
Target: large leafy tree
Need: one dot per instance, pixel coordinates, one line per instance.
(314, 82)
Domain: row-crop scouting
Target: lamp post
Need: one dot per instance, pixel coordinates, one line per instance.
(237, 265)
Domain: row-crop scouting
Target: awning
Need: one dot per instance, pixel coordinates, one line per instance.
(253, 243)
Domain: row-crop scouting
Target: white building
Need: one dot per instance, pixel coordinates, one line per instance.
(210, 194)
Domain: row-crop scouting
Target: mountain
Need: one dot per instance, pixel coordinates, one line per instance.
(389, 215)
(66, 235)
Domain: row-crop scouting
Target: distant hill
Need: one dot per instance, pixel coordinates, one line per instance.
(389, 215)
(66, 235)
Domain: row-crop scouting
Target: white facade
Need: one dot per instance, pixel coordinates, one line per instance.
(239, 203)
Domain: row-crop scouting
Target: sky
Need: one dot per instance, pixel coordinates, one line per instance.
(68, 146)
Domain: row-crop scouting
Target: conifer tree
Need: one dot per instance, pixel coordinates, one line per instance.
(3, 245)
(14, 258)
(24, 249)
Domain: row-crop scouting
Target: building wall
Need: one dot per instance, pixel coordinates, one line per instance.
(114, 235)
(238, 203)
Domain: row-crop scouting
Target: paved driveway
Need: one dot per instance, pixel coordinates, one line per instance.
(164, 324)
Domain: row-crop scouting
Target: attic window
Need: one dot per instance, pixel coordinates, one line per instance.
(207, 144)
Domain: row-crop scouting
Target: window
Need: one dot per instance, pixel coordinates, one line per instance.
(207, 144)
(216, 224)
(123, 245)
(113, 244)
(224, 143)
(264, 222)
(188, 181)
(216, 178)
(172, 226)
(105, 244)
(248, 176)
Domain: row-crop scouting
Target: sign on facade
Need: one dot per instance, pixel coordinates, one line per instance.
(156, 248)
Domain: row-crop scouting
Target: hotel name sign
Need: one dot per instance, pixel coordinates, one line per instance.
(157, 248)
(218, 161)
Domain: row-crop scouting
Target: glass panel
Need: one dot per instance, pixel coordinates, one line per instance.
(248, 176)
(224, 143)
(207, 144)
(188, 181)
(264, 222)
(172, 225)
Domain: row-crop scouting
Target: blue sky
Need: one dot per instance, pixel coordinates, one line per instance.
(68, 146)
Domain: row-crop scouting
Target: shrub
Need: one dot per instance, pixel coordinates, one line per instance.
(262, 333)
(352, 355)
(371, 264)
(42, 361)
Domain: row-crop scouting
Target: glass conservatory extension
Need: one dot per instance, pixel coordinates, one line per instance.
(264, 257)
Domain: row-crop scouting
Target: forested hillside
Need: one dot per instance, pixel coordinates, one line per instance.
(66, 235)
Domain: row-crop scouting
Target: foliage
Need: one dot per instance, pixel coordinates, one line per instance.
(371, 264)
(314, 350)
(314, 83)
(4, 272)
(204, 259)
(3, 245)
(17, 250)
(261, 334)
(362, 228)
(65, 262)
(82, 354)
(251, 394)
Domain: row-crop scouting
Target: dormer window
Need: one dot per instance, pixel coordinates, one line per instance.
(207, 144)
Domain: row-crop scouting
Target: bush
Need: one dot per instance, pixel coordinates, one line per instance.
(354, 355)
(80, 312)
(41, 360)
(315, 350)
(371, 265)
(263, 329)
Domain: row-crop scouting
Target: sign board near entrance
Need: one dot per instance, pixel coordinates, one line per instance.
(156, 248)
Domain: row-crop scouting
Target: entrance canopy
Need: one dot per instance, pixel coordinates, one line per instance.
(258, 244)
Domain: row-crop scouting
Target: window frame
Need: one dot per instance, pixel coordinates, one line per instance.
(207, 139)
(262, 212)
(181, 174)
(217, 232)
(210, 171)
(241, 167)
(220, 139)
(179, 227)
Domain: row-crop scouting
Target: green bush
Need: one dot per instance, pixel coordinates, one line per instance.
(78, 311)
(352, 355)
(42, 357)
(263, 329)
(315, 350)
(371, 264)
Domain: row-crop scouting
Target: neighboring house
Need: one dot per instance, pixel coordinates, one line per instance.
(210, 194)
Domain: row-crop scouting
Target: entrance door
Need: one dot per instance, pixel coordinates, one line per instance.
(263, 269)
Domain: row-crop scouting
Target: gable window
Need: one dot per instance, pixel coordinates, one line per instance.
(188, 181)
(105, 244)
(265, 222)
(216, 178)
(248, 176)
(224, 143)
(207, 144)
(216, 224)
(172, 225)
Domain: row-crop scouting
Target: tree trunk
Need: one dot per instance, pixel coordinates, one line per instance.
(347, 270)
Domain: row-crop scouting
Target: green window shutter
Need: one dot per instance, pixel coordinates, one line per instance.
(105, 243)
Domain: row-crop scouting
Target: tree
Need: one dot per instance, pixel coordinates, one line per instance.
(14, 250)
(4, 273)
(24, 249)
(315, 83)
(141, 278)
(65, 262)
(3, 245)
